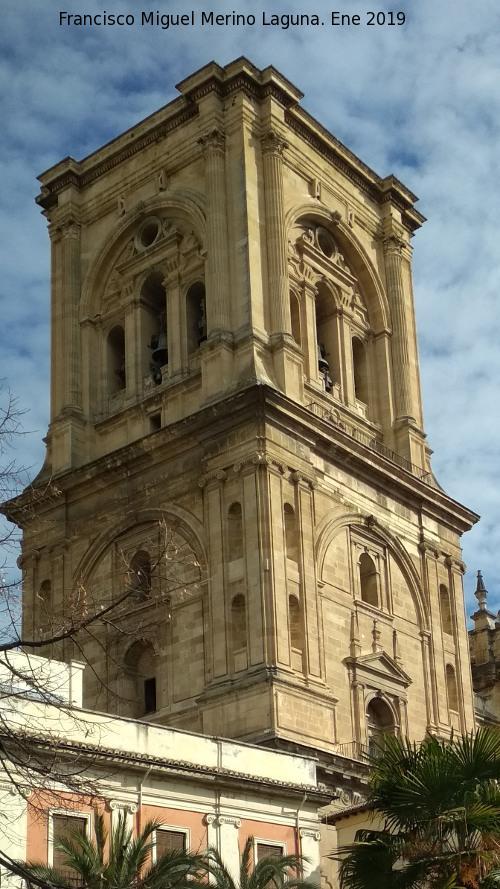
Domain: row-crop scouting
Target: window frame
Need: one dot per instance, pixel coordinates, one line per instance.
(281, 846)
(86, 816)
(171, 828)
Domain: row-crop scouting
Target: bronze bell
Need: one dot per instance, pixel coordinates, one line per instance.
(160, 351)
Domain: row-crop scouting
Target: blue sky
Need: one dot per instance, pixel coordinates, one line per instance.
(421, 101)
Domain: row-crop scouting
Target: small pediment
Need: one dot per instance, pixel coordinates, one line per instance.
(378, 668)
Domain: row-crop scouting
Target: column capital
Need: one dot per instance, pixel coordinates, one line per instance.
(311, 834)
(229, 820)
(69, 229)
(213, 139)
(393, 245)
(273, 144)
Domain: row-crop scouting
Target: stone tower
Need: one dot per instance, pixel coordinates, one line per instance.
(236, 432)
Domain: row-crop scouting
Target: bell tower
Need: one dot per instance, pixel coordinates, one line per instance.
(236, 432)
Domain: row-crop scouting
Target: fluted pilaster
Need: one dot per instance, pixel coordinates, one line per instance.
(69, 233)
(395, 292)
(217, 283)
(272, 149)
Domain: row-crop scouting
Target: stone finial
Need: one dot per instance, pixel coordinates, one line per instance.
(375, 637)
(481, 592)
(482, 617)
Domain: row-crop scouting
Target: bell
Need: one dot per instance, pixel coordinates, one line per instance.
(160, 351)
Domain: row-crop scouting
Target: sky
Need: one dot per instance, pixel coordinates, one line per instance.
(420, 100)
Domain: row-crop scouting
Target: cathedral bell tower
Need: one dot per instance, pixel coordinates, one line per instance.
(236, 432)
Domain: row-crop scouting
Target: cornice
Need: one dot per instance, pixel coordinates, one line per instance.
(100, 755)
(80, 178)
(266, 406)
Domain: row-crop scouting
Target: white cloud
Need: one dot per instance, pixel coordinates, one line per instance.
(421, 101)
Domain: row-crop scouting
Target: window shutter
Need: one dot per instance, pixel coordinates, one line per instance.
(169, 841)
(62, 827)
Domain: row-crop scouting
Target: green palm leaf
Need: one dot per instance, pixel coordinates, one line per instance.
(440, 802)
(123, 864)
(271, 871)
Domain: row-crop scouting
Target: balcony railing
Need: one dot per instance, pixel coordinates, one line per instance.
(353, 750)
(369, 441)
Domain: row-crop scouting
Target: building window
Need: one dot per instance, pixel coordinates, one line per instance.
(379, 722)
(445, 610)
(291, 533)
(116, 360)
(140, 574)
(265, 849)
(235, 532)
(451, 688)
(325, 241)
(360, 370)
(368, 580)
(140, 691)
(61, 827)
(167, 840)
(196, 320)
(326, 336)
(148, 233)
(154, 300)
(150, 695)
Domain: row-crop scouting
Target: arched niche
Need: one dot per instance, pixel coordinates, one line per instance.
(359, 261)
(334, 525)
(173, 516)
(182, 210)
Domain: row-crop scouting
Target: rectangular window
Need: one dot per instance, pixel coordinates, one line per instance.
(168, 840)
(265, 849)
(150, 695)
(63, 825)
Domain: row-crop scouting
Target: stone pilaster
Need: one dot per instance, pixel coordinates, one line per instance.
(393, 247)
(272, 150)
(70, 265)
(217, 283)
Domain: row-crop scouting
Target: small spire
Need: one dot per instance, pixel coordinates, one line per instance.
(481, 592)
(483, 619)
(395, 647)
(355, 647)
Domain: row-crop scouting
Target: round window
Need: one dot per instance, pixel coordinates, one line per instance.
(149, 232)
(325, 241)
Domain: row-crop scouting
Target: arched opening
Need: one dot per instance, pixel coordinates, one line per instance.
(153, 298)
(368, 580)
(196, 320)
(291, 533)
(379, 723)
(327, 337)
(115, 354)
(445, 610)
(295, 319)
(140, 695)
(360, 370)
(451, 688)
(140, 574)
(235, 532)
